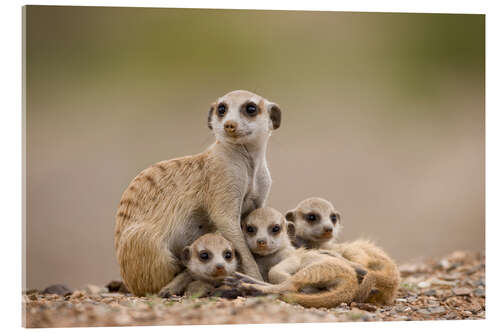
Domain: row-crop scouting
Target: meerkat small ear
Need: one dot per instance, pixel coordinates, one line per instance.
(290, 229)
(186, 255)
(210, 113)
(275, 115)
(338, 216)
(243, 221)
(290, 216)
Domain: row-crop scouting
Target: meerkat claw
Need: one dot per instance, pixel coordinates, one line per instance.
(165, 293)
(231, 281)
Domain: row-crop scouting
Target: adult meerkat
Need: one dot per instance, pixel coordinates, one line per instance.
(317, 224)
(171, 203)
(208, 260)
(301, 276)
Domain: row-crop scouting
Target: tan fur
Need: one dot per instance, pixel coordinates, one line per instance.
(383, 275)
(311, 234)
(170, 204)
(201, 276)
(277, 246)
(382, 280)
(293, 273)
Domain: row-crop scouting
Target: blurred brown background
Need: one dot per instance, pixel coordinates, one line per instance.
(383, 114)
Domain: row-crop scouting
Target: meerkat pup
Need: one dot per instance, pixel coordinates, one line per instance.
(305, 277)
(172, 203)
(208, 260)
(317, 225)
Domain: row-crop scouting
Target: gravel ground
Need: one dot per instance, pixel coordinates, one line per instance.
(452, 287)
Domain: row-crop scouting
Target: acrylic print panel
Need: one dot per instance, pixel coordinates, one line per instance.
(380, 114)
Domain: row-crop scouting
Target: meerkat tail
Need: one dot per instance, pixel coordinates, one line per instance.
(339, 281)
(343, 292)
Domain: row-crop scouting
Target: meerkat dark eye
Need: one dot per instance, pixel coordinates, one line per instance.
(251, 109)
(333, 217)
(221, 110)
(250, 229)
(311, 217)
(276, 229)
(204, 256)
(228, 255)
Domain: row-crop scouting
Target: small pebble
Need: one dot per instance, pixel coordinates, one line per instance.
(424, 311)
(480, 283)
(445, 264)
(437, 310)
(58, 289)
(451, 315)
(430, 292)
(479, 292)
(367, 307)
(424, 284)
(462, 291)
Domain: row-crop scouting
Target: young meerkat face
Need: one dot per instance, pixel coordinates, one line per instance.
(243, 117)
(315, 220)
(211, 257)
(266, 231)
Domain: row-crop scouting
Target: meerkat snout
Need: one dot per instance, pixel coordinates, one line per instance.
(316, 220)
(230, 127)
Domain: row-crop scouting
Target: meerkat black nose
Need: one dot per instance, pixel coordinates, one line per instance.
(261, 242)
(328, 229)
(230, 126)
(219, 267)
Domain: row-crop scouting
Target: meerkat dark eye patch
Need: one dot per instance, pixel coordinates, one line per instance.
(204, 255)
(221, 110)
(250, 229)
(275, 229)
(251, 109)
(311, 217)
(334, 218)
(228, 255)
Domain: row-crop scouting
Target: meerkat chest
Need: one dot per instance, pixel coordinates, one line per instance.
(250, 201)
(257, 189)
(265, 264)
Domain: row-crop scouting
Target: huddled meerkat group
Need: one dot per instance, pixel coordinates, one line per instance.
(189, 225)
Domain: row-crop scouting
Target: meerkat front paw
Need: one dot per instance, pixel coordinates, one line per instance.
(245, 278)
(237, 285)
(231, 281)
(166, 292)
